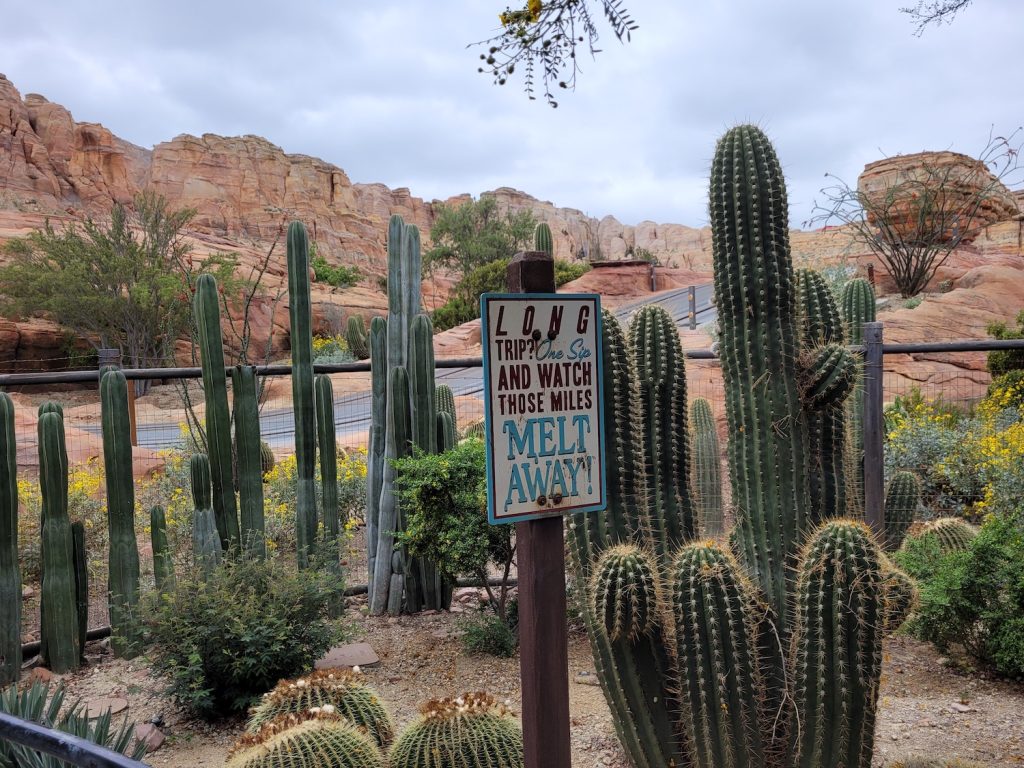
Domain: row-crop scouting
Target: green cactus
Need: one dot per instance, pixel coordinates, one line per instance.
(301, 316)
(626, 592)
(469, 731)
(80, 560)
(951, 533)
(59, 619)
(123, 560)
(716, 649)
(445, 432)
(902, 498)
(163, 562)
(901, 595)
(206, 307)
(327, 443)
(10, 573)
(826, 427)
(838, 648)
(312, 739)
(658, 356)
(206, 549)
(249, 450)
(542, 239)
(267, 458)
(858, 306)
(375, 450)
(445, 403)
(343, 690)
(706, 469)
(355, 336)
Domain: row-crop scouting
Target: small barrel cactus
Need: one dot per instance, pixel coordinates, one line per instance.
(343, 690)
(951, 533)
(318, 737)
(542, 240)
(465, 732)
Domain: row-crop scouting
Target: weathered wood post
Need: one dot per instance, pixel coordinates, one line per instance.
(874, 464)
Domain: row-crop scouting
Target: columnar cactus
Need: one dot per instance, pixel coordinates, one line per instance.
(465, 732)
(858, 306)
(355, 335)
(901, 595)
(10, 573)
(706, 469)
(445, 402)
(328, 445)
(80, 560)
(163, 562)
(123, 559)
(345, 691)
(542, 239)
(206, 549)
(249, 449)
(206, 307)
(301, 316)
(445, 432)
(59, 619)
(902, 498)
(771, 659)
(312, 738)
(375, 450)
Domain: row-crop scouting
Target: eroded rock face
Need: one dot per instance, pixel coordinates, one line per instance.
(966, 191)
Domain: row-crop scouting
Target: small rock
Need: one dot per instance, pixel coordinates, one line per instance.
(27, 593)
(586, 678)
(39, 675)
(351, 655)
(150, 735)
(97, 707)
(961, 708)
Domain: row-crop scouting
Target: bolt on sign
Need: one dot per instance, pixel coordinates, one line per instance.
(542, 405)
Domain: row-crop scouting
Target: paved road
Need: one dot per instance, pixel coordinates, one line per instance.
(352, 412)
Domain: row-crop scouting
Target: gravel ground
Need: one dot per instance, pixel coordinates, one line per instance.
(927, 707)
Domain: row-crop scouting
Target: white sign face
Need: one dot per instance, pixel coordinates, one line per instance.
(543, 405)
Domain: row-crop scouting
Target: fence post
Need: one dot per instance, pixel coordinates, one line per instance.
(692, 296)
(874, 468)
(112, 357)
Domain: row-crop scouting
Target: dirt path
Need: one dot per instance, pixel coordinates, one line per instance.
(926, 707)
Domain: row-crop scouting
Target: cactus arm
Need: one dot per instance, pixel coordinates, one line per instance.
(301, 317)
(355, 335)
(123, 558)
(218, 419)
(163, 562)
(250, 461)
(10, 573)
(206, 549)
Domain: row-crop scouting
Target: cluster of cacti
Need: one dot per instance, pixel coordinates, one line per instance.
(59, 635)
(123, 559)
(858, 306)
(706, 469)
(163, 563)
(768, 655)
(249, 460)
(341, 689)
(206, 542)
(902, 498)
(952, 534)
(404, 414)
(542, 239)
(331, 718)
(355, 336)
(10, 573)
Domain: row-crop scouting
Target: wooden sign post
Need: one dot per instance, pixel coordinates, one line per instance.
(542, 384)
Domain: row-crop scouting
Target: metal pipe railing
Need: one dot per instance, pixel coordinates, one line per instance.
(63, 746)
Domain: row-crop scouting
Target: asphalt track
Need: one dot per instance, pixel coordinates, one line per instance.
(352, 412)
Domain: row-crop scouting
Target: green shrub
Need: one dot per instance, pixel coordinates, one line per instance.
(1002, 361)
(39, 704)
(974, 598)
(224, 641)
(567, 271)
(485, 632)
(331, 350)
(339, 276)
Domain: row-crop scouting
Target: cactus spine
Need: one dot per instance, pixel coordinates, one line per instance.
(355, 335)
(858, 307)
(445, 401)
(59, 620)
(327, 443)
(707, 469)
(80, 559)
(163, 563)
(249, 448)
(123, 561)
(10, 573)
(206, 307)
(901, 500)
(301, 316)
(542, 239)
(206, 549)
(375, 451)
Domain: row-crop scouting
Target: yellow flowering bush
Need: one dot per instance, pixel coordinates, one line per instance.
(331, 349)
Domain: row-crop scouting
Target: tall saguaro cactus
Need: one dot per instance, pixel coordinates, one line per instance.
(10, 573)
(248, 448)
(59, 620)
(206, 307)
(123, 560)
(301, 315)
(767, 657)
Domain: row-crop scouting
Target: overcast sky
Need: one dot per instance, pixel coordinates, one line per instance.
(389, 91)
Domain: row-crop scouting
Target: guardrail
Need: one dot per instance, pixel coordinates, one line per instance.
(63, 746)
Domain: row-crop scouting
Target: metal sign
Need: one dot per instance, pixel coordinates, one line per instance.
(543, 405)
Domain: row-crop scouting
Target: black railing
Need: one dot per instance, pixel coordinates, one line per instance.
(63, 746)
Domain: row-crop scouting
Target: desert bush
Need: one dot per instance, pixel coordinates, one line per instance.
(332, 350)
(340, 276)
(1002, 361)
(973, 598)
(486, 632)
(224, 640)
